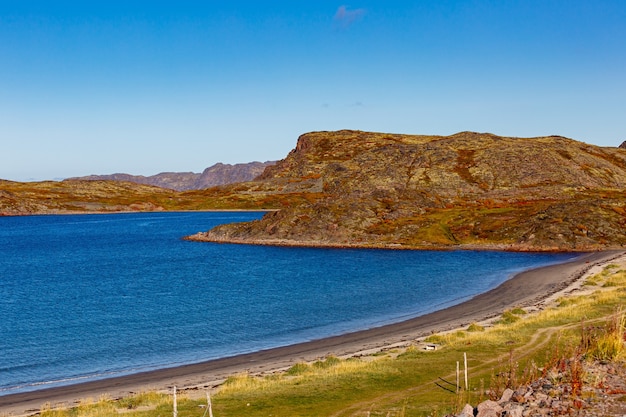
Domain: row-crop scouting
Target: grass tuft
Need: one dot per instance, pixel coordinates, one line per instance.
(475, 327)
(508, 317)
(149, 399)
(327, 362)
(605, 343)
(299, 369)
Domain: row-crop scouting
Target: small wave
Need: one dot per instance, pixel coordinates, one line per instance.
(30, 386)
(36, 385)
(61, 381)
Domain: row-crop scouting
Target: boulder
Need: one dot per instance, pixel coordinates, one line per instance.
(489, 409)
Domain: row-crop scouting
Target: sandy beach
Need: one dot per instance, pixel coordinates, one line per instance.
(529, 288)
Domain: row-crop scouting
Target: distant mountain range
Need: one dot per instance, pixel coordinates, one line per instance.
(218, 174)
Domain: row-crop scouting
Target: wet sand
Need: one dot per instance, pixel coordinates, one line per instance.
(528, 288)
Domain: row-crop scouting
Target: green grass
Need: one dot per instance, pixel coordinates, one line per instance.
(411, 382)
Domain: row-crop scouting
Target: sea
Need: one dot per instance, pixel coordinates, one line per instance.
(92, 296)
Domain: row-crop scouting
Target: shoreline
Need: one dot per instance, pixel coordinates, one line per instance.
(528, 288)
(210, 237)
(83, 212)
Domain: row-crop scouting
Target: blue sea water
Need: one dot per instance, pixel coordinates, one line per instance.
(91, 296)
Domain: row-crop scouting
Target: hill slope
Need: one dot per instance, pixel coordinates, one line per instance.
(110, 196)
(463, 190)
(52, 197)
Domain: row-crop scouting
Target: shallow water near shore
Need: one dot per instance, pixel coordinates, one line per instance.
(93, 296)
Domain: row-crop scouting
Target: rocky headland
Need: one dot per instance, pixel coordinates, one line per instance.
(467, 190)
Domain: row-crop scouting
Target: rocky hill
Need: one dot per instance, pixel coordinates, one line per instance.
(465, 190)
(218, 174)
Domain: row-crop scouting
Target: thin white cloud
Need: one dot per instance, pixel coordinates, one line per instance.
(344, 17)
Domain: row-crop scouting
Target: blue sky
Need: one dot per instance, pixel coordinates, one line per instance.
(142, 87)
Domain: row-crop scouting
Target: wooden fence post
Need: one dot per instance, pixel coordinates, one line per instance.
(465, 360)
(175, 414)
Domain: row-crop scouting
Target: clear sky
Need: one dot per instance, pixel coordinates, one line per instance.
(142, 87)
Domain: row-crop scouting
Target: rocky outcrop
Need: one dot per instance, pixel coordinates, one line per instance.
(464, 190)
(555, 395)
(218, 174)
(170, 180)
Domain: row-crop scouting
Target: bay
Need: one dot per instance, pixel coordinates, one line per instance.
(92, 296)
